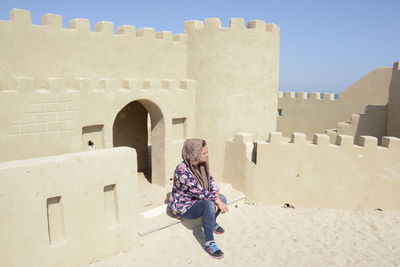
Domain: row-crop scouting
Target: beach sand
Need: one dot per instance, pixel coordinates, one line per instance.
(275, 236)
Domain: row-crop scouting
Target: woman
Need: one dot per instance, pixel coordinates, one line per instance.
(195, 193)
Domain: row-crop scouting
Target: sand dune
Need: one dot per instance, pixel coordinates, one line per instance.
(274, 236)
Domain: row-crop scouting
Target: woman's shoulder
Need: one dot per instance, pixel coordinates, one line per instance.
(181, 166)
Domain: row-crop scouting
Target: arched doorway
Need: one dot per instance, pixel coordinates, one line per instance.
(130, 128)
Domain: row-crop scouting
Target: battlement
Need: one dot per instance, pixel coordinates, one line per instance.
(317, 173)
(101, 51)
(22, 18)
(234, 24)
(343, 141)
(308, 96)
(323, 140)
(27, 85)
(55, 114)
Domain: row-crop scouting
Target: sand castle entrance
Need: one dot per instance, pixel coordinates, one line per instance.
(131, 129)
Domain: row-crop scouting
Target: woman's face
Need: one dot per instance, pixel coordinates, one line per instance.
(204, 154)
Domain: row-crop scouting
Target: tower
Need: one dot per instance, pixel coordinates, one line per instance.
(236, 69)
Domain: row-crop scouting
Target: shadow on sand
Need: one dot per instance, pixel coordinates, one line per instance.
(195, 225)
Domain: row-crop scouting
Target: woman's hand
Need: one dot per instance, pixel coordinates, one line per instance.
(221, 205)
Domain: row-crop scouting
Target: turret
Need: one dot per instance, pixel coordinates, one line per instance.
(237, 73)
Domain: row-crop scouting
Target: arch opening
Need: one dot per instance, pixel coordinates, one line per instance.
(140, 125)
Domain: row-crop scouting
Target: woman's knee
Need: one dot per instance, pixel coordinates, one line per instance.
(223, 198)
(208, 204)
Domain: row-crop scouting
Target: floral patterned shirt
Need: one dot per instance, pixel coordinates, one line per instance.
(186, 191)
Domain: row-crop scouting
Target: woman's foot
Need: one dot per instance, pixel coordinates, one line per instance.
(212, 249)
(218, 229)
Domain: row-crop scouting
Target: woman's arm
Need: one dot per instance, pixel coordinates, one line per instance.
(213, 186)
(215, 191)
(221, 205)
(190, 186)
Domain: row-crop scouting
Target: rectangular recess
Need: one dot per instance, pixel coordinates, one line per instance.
(93, 137)
(111, 205)
(179, 129)
(55, 220)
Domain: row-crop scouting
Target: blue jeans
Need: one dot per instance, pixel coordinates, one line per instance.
(205, 208)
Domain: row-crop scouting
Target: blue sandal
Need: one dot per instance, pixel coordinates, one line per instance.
(213, 250)
(218, 229)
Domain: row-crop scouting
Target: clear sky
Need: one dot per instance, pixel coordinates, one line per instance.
(326, 45)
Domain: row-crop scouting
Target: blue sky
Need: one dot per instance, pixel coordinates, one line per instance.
(326, 45)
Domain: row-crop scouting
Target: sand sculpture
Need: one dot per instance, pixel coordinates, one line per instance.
(64, 91)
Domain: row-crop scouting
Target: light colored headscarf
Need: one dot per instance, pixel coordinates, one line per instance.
(191, 152)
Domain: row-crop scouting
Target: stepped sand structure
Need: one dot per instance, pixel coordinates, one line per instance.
(79, 108)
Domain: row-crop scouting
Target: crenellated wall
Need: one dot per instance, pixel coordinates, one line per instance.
(49, 50)
(68, 210)
(306, 112)
(318, 174)
(320, 112)
(237, 72)
(61, 119)
(235, 69)
(393, 124)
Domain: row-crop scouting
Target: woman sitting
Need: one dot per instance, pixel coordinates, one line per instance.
(195, 193)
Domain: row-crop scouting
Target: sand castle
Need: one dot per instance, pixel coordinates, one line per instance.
(64, 91)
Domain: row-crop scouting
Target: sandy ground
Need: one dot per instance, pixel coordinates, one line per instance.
(275, 236)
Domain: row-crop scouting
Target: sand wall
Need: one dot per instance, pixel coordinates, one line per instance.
(61, 119)
(318, 174)
(49, 50)
(317, 112)
(68, 210)
(372, 122)
(393, 124)
(237, 70)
